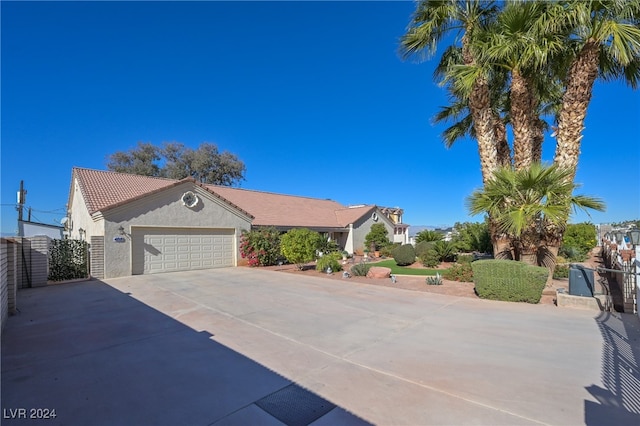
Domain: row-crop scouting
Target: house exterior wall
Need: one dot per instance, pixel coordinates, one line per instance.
(81, 219)
(165, 209)
(362, 227)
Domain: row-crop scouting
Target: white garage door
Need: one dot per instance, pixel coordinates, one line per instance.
(181, 249)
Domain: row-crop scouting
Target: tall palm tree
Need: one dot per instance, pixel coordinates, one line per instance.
(526, 204)
(458, 111)
(605, 42)
(517, 43)
(431, 22)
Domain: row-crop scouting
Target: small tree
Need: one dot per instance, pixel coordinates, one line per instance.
(581, 236)
(299, 246)
(377, 237)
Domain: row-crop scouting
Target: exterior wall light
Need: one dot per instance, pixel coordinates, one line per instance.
(634, 236)
(121, 230)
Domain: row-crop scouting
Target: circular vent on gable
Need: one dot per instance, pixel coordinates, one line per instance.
(189, 199)
(374, 216)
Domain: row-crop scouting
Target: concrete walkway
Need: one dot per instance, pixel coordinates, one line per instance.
(241, 346)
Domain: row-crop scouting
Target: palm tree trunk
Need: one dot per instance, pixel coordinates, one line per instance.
(504, 152)
(502, 244)
(480, 106)
(580, 79)
(538, 139)
(523, 120)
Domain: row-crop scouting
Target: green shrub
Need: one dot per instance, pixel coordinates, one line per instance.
(446, 250)
(329, 261)
(261, 247)
(464, 258)
(430, 259)
(422, 247)
(561, 271)
(327, 246)
(509, 280)
(574, 254)
(459, 272)
(68, 259)
(581, 236)
(470, 236)
(387, 251)
(299, 246)
(404, 255)
(361, 269)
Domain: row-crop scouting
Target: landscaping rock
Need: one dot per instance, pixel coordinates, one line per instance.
(379, 272)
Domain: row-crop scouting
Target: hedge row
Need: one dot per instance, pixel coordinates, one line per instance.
(509, 280)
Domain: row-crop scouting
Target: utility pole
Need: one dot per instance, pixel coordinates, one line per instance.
(22, 197)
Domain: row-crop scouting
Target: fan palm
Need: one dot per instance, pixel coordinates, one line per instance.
(605, 41)
(517, 43)
(532, 206)
(431, 22)
(458, 111)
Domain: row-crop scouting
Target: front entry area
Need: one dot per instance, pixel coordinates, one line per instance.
(156, 250)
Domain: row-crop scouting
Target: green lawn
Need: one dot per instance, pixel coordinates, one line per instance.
(400, 270)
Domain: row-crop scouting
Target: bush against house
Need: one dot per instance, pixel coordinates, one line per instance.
(261, 247)
(299, 246)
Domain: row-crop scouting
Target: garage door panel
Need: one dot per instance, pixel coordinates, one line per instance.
(156, 250)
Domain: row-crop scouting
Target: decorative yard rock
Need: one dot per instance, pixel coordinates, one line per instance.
(379, 272)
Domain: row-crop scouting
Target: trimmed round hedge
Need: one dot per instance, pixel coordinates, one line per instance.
(404, 255)
(509, 280)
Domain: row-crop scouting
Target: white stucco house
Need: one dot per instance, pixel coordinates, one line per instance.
(143, 225)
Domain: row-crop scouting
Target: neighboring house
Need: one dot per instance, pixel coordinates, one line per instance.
(32, 229)
(140, 225)
(401, 230)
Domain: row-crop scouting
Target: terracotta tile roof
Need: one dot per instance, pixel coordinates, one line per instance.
(351, 215)
(271, 209)
(103, 190)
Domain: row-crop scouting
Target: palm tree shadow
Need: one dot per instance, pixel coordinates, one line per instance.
(619, 401)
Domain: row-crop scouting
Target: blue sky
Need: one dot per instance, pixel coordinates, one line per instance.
(312, 96)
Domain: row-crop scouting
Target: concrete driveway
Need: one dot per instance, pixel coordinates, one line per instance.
(251, 347)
